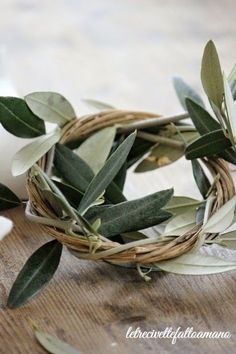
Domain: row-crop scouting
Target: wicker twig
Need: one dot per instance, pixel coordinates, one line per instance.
(145, 251)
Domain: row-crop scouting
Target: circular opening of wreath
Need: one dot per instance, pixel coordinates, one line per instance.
(76, 175)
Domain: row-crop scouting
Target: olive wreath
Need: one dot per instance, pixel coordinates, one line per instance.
(76, 173)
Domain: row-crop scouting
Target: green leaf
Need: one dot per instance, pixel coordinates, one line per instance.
(72, 168)
(202, 120)
(232, 81)
(95, 149)
(31, 153)
(207, 145)
(200, 178)
(78, 174)
(54, 201)
(8, 199)
(211, 75)
(231, 111)
(205, 123)
(101, 106)
(229, 155)
(196, 264)
(140, 148)
(120, 178)
(36, 273)
(135, 215)
(53, 344)
(179, 205)
(72, 194)
(222, 219)
(181, 223)
(162, 155)
(132, 236)
(228, 240)
(17, 118)
(51, 107)
(183, 90)
(106, 175)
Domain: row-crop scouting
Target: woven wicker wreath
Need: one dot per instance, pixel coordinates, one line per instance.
(142, 252)
(208, 140)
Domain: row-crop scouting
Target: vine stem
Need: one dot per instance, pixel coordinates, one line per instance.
(152, 122)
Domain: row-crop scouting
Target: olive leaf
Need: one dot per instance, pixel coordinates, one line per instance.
(51, 107)
(183, 90)
(229, 155)
(72, 194)
(72, 168)
(181, 223)
(159, 156)
(205, 123)
(31, 153)
(95, 149)
(207, 145)
(101, 106)
(179, 205)
(202, 120)
(162, 155)
(106, 175)
(232, 81)
(17, 118)
(200, 178)
(79, 175)
(36, 273)
(211, 74)
(53, 344)
(134, 215)
(53, 200)
(196, 264)
(132, 236)
(8, 199)
(139, 148)
(230, 109)
(120, 178)
(228, 240)
(222, 218)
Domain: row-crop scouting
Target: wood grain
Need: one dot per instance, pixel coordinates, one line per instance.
(92, 305)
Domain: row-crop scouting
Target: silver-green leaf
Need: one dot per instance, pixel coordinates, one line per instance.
(51, 107)
(228, 240)
(101, 106)
(211, 74)
(31, 153)
(95, 150)
(196, 264)
(183, 90)
(181, 223)
(222, 219)
(179, 205)
(232, 81)
(231, 111)
(106, 175)
(53, 344)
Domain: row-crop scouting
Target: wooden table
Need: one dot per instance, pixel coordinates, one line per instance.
(92, 305)
(126, 54)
